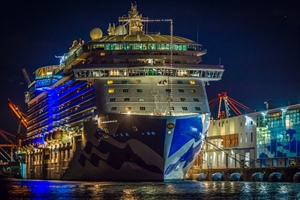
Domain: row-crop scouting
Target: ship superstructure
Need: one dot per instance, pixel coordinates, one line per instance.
(126, 106)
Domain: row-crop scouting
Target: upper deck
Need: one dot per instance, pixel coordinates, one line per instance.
(130, 50)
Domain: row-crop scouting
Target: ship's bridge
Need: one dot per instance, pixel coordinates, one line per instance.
(144, 38)
(44, 78)
(143, 42)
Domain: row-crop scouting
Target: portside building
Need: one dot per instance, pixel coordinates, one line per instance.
(270, 138)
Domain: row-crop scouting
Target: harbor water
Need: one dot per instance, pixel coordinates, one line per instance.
(50, 189)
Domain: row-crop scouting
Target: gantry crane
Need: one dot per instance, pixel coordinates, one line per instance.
(27, 77)
(8, 144)
(22, 117)
(229, 103)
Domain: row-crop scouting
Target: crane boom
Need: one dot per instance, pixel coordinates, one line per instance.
(27, 78)
(17, 112)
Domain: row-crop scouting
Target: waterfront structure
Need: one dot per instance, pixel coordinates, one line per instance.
(270, 138)
(278, 137)
(230, 143)
(126, 106)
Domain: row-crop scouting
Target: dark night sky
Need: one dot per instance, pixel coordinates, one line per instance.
(257, 41)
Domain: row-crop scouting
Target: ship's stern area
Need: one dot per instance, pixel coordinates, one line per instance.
(124, 147)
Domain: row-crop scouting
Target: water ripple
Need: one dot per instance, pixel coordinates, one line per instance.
(45, 189)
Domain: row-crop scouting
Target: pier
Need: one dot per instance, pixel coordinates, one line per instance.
(246, 173)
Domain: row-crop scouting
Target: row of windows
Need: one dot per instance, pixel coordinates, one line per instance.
(241, 123)
(141, 46)
(246, 138)
(142, 99)
(144, 108)
(154, 71)
(192, 82)
(112, 90)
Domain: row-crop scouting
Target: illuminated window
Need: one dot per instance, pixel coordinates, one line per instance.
(184, 108)
(124, 81)
(126, 99)
(168, 90)
(125, 90)
(183, 99)
(197, 108)
(142, 108)
(179, 82)
(193, 90)
(102, 54)
(141, 99)
(137, 81)
(139, 90)
(111, 90)
(113, 108)
(128, 108)
(192, 82)
(110, 81)
(181, 90)
(112, 99)
(114, 73)
(196, 99)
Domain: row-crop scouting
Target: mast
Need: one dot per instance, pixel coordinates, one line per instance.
(134, 21)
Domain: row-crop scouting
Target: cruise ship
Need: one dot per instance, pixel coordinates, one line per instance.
(127, 106)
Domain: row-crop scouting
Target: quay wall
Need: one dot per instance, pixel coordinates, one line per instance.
(246, 173)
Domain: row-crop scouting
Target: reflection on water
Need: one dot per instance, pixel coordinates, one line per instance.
(42, 189)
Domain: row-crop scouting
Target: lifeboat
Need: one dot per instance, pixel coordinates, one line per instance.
(30, 143)
(57, 135)
(38, 141)
(50, 136)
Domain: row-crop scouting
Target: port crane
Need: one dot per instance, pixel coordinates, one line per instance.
(229, 104)
(17, 141)
(27, 77)
(8, 144)
(22, 116)
(23, 120)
